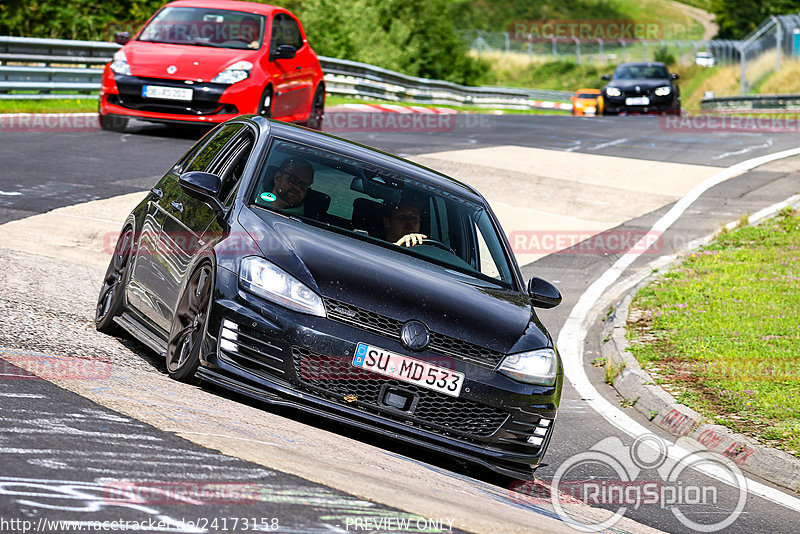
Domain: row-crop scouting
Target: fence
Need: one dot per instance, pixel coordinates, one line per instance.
(597, 51)
(759, 55)
(53, 68)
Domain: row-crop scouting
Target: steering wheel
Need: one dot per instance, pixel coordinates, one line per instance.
(439, 244)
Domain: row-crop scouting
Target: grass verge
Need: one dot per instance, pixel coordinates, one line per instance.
(81, 105)
(722, 331)
(88, 105)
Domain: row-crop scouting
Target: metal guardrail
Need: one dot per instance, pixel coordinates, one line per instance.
(55, 68)
(788, 103)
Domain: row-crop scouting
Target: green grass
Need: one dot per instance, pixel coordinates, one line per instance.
(81, 105)
(726, 324)
(88, 105)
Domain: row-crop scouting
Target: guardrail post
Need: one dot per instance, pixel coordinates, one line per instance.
(577, 50)
(600, 42)
(530, 45)
(644, 47)
(555, 47)
(507, 42)
(624, 51)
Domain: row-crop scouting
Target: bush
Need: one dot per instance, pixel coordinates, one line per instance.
(415, 37)
(663, 55)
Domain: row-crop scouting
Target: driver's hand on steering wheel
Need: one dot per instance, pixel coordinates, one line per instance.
(410, 240)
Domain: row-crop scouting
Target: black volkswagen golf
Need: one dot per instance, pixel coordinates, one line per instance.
(302, 269)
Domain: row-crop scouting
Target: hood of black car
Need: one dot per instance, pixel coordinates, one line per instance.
(395, 284)
(644, 84)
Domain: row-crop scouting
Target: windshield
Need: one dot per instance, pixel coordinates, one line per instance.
(641, 72)
(380, 206)
(588, 95)
(205, 27)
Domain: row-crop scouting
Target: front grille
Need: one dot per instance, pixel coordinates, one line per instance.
(250, 349)
(386, 326)
(205, 99)
(336, 379)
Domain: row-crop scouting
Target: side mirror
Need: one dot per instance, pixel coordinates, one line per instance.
(543, 294)
(122, 38)
(673, 76)
(203, 186)
(606, 77)
(283, 52)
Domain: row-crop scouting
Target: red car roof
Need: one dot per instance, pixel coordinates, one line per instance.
(232, 5)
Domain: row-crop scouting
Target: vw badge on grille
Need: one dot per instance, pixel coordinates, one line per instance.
(415, 335)
(171, 69)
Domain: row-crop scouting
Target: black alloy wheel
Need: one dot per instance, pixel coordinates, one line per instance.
(317, 113)
(265, 104)
(111, 301)
(188, 325)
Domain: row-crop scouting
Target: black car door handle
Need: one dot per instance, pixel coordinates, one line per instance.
(177, 206)
(158, 193)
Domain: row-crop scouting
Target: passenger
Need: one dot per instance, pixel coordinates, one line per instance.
(402, 224)
(292, 181)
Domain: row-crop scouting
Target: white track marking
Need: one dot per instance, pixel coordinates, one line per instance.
(570, 339)
(745, 150)
(608, 144)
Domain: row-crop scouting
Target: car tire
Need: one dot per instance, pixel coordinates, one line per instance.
(266, 103)
(189, 324)
(316, 114)
(113, 123)
(111, 301)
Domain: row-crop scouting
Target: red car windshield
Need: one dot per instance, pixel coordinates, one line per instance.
(206, 27)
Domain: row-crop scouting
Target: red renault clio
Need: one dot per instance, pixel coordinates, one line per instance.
(207, 61)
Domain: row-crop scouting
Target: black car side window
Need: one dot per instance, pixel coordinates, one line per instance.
(209, 156)
(231, 168)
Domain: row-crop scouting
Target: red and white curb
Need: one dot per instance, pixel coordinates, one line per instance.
(393, 108)
(388, 108)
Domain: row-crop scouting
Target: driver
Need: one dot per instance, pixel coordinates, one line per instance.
(293, 179)
(250, 30)
(401, 224)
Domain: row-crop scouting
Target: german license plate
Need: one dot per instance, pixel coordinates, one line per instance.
(166, 93)
(637, 101)
(408, 369)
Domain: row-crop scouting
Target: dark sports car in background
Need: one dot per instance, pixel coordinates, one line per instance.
(433, 341)
(641, 88)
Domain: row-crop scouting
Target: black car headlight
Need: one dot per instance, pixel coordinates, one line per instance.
(534, 367)
(613, 91)
(663, 91)
(267, 280)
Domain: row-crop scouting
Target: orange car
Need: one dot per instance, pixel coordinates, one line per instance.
(587, 102)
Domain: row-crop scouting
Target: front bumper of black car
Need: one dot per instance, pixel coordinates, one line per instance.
(282, 357)
(655, 104)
